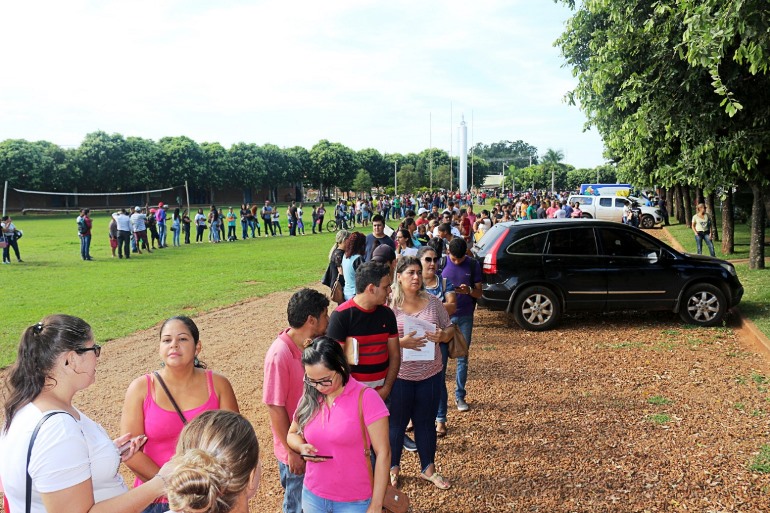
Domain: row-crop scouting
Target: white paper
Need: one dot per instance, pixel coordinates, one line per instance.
(421, 327)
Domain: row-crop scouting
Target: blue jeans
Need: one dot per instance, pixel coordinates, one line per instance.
(292, 489)
(85, 247)
(312, 503)
(177, 234)
(162, 235)
(442, 400)
(245, 229)
(417, 400)
(465, 324)
(699, 238)
(157, 507)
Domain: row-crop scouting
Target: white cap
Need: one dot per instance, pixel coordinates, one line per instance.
(137, 209)
(422, 211)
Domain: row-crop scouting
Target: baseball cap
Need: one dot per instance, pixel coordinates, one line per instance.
(160, 205)
(384, 254)
(137, 209)
(422, 211)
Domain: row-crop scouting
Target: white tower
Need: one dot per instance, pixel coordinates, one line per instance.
(462, 169)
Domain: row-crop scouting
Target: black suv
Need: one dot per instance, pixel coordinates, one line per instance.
(539, 269)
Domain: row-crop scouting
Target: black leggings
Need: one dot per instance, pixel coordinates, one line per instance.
(199, 234)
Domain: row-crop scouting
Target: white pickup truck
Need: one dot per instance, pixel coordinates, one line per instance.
(611, 209)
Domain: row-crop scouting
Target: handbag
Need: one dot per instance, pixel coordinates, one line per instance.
(3, 242)
(394, 501)
(338, 294)
(171, 398)
(457, 345)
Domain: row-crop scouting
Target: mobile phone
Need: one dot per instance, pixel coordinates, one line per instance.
(316, 456)
(124, 448)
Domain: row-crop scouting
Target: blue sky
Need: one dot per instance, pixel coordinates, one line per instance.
(360, 72)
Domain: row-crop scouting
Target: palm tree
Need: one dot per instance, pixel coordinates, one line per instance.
(551, 160)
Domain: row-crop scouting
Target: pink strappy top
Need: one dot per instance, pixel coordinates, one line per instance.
(163, 427)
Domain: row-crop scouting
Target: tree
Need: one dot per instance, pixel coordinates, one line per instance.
(552, 162)
(335, 163)
(181, 159)
(374, 163)
(101, 159)
(21, 163)
(140, 163)
(245, 159)
(408, 179)
(362, 183)
(518, 152)
(479, 168)
(678, 91)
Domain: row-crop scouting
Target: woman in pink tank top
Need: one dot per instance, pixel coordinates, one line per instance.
(150, 410)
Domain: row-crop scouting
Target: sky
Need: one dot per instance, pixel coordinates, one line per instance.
(396, 76)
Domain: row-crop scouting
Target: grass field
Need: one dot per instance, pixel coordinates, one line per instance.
(118, 297)
(756, 300)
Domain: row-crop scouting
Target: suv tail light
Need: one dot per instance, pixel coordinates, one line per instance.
(490, 260)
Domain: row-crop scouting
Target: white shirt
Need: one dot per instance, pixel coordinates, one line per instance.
(139, 220)
(66, 452)
(124, 222)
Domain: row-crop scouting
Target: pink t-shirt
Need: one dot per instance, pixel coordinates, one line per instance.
(283, 385)
(162, 427)
(336, 432)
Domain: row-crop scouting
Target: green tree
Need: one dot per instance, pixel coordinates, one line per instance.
(335, 163)
(140, 163)
(362, 183)
(518, 152)
(552, 163)
(101, 159)
(21, 164)
(679, 92)
(181, 159)
(408, 179)
(380, 171)
(245, 159)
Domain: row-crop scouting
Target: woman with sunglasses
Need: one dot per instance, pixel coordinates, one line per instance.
(326, 431)
(415, 394)
(73, 464)
(155, 403)
(444, 290)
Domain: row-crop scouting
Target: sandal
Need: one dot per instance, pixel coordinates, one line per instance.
(394, 479)
(440, 429)
(437, 479)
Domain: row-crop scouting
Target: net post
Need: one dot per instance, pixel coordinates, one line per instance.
(187, 195)
(5, 196)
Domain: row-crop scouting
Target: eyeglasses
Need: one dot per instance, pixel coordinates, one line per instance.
(430, 260)
(96, 348)
(326, 382)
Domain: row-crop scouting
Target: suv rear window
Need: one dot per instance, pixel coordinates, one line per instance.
(532, 244)
(575, 241)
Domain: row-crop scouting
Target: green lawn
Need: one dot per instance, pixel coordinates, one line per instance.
(118, 297)
(756, 299)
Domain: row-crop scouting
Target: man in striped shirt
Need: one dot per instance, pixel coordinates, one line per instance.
(366, 318)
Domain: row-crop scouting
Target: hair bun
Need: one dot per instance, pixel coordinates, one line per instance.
(197, 483)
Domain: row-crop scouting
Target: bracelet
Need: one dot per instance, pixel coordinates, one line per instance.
(162, 478)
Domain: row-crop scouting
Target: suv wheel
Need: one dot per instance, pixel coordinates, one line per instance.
(703, 305)
(537, 309)
(648, 221)
(586, 216)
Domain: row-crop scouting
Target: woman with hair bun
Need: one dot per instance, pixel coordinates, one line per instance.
(327, 433)
(73, 465)
(355, 248)
(156, 403)
(216, 467)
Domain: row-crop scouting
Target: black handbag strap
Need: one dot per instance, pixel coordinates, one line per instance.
(28, 494)
(171, 398)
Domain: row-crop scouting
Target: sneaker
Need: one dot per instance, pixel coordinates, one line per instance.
(462, 405)
(409, 444)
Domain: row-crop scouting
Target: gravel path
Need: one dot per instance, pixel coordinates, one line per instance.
(559, 421)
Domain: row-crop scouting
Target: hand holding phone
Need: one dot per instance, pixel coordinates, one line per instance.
(311, 457)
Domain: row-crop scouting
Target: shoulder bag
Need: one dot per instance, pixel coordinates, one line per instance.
(171, 398)
(28, 492)
(457, 345)
(338, 292)
(395, 501)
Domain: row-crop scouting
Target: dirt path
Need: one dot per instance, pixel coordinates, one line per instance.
(560, 421)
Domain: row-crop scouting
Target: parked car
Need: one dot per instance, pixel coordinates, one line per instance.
(539, 269)
(610, 208)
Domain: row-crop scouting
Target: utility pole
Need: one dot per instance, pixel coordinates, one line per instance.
(395, 179)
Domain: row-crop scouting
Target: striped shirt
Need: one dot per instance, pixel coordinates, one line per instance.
(435, 313)
(372, 329)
